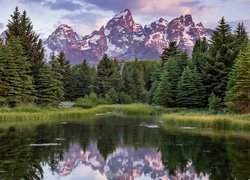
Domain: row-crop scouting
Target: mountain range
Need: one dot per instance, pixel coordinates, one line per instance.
(124, 39)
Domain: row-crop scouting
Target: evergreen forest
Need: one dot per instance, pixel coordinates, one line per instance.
(216, 76)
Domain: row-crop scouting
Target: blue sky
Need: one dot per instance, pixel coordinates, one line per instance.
(88, 15)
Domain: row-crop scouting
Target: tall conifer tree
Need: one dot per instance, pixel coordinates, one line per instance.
(238, 93)
(21, 26)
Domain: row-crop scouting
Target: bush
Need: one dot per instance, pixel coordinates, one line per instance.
(215, 103)
(112, 96)
(125, 99)
(84, 103)
(89, 101)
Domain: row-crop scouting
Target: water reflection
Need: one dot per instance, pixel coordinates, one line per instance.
(119, 148)
(123, 163)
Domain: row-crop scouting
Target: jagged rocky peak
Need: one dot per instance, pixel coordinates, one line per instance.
(188, 19)
(162, 22)
(64, 31)
(185, 20)
(123, 19)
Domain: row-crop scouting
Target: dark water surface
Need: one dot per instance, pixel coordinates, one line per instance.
(115, 147)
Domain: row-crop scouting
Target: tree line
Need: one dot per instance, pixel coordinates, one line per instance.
(216, 76)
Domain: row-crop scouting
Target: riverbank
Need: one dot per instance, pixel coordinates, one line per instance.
(175, 117)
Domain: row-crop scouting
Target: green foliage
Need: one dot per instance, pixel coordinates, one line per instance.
(79, 82)
(108, 76)
(64, 65)
(133, 81)
(199, 54)
(170, 51)
(47, 87)
(241, 37)
(10, 81)
(112, 96)
(190, 91)
(222, 54)
(20, 26)
(57, 74)
(215, 103)
(125, 98)
(238, 93)
(164, 92)
(89, 101)
(16, 82)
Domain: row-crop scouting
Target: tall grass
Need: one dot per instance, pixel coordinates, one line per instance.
(35, 113)
(236, 122)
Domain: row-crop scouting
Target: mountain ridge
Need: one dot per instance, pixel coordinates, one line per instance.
(122, 38)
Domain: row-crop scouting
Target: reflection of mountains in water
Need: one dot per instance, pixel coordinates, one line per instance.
(123, 163)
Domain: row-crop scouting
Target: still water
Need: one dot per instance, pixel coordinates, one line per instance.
(116, 147)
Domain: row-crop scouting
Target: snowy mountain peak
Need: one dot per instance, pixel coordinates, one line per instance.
(122, 38)
(65, 27)
(123, 14)
(123, 19)
(162, 22)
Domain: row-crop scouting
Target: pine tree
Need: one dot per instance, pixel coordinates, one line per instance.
(200, 95)
(27, 87)
(11, 83)
(138, 90)
(116, 76)
(199, 54)
(164, 93)
(106, 75)
(238, 93)
(64, 65)
(241, 39)
(127, 79)
(46, 87)
(221, 58)
(65, 69)
(21, 26)
(170, 51)
(3, 85)
(133, 81)
(189, 89)
(84, 79)
(80, 81)
(57, 80)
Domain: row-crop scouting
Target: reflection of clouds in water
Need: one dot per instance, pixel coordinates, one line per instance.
(80, 172)
(86, 172)
(123, 163)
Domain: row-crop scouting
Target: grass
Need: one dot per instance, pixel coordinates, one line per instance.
(26, 113)
(176, 117)
(206, 120)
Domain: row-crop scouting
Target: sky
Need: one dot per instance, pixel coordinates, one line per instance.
(85, 16)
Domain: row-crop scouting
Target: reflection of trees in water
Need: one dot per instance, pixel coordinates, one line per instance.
(18, 160)
(208, 155)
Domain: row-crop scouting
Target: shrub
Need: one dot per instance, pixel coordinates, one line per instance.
(112, 96)
(124, 98)
(215, 103)
(89, 101)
